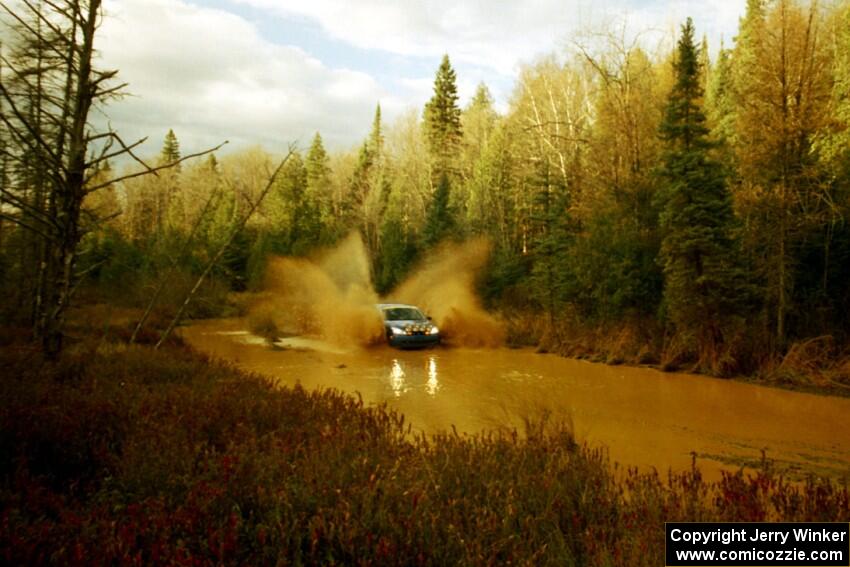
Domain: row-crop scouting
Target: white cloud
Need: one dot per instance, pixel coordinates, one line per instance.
(493, 34)
(210, 76)
(209, 73)
(481, 32)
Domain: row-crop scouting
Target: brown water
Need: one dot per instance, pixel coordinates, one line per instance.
(645, 417)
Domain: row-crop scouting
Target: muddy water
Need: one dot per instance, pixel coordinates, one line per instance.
(645, 417)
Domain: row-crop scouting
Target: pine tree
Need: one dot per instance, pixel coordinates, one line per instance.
(376, 137)
(212, 163)
(293, 187)
(439, 221)
(360, 178)
(479, 120)
(702, 286)
(704, 64)
(167, 190)
(720, 107)
(551, 225)
(170, 148)
(397, 251)
(443, 129)
(318, 191)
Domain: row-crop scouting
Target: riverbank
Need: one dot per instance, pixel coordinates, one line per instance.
(818, 365)
(123, 454)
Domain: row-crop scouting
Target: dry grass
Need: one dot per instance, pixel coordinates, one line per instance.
(818, 364)
(626, 342)
(125, 455)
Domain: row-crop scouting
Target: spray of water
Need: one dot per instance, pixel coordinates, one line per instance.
(331, 296)
(444, 286)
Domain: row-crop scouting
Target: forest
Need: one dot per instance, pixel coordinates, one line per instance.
(693, 209)
(643, 203)
(675, 205)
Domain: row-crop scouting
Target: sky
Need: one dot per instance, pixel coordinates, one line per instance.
(271, 72)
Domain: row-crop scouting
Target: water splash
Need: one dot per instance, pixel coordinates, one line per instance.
(331, 296)
(444, 286)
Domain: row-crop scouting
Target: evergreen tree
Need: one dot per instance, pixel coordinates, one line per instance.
(551, 225)
(376, 137)
(359, 184)
(212, 163)
(479, 120)
(170, 148)
(397, 250)
(782, 84)
(293, 187)
(286, 211)
(704, 64)
(369, 187)
(703, 288)
(720, 108)
(438, 221)
(490, 206)
(318, 190)
(443, 129)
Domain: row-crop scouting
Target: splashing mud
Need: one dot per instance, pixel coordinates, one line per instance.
(331, 296)
(444, 286)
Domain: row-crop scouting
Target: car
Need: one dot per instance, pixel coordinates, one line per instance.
(407, 327)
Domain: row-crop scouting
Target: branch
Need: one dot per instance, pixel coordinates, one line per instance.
(112, 91)
(31, 228)
(153, 170)
(12, 199)
(78, 276)
(236, 230)
(96, 219)
(32, 131)
(167, 277)
(124, 149)
(29, 28)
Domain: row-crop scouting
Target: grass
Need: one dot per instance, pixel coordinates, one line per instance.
(817, 365)
(128, 456)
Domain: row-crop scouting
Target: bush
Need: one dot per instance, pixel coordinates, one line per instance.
(136, 456)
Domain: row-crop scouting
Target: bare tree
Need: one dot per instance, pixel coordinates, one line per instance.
(48, 89)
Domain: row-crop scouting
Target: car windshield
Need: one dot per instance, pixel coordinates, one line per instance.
(403, 314)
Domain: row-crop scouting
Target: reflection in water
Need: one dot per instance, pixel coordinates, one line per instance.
(644, 417)
(433, 385)
(397, 382)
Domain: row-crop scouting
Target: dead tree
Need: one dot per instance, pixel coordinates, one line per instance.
(240, 225)
(47, 91)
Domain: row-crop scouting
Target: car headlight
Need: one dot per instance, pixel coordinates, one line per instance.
(397, 331)
(433, 330)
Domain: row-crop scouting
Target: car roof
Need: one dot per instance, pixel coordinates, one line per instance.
(394, 305)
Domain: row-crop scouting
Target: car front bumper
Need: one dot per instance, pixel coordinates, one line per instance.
(413, 341)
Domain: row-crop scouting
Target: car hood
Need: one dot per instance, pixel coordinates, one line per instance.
(405, 323)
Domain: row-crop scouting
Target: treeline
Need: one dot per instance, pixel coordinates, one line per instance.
(696, 207)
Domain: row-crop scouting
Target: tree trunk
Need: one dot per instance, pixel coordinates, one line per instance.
(71, 192)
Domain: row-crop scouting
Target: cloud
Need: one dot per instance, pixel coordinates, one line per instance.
(210, 76)
(496, 35)
(479, 32)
